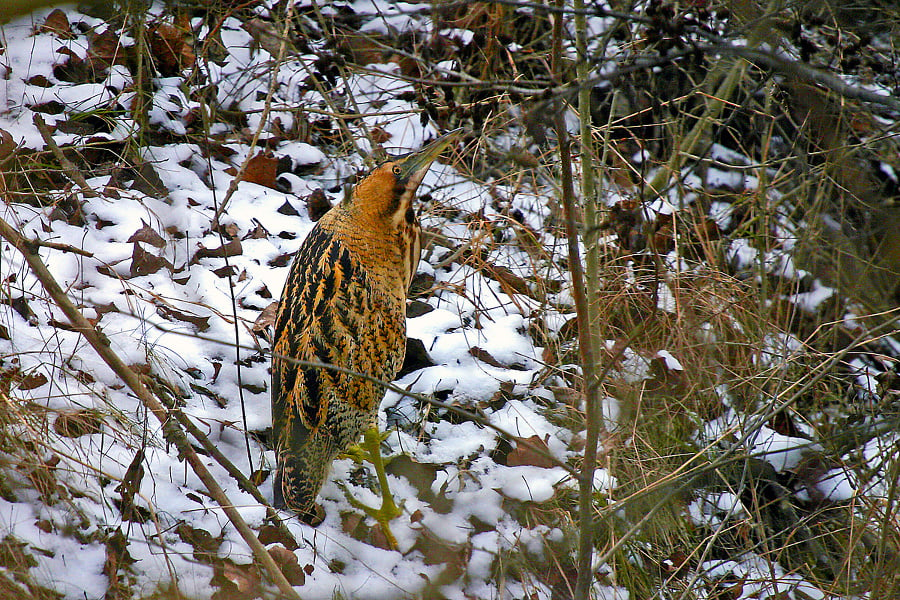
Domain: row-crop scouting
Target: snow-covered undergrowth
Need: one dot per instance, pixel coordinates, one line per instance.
(177, 274)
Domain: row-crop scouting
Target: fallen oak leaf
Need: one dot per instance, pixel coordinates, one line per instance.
(317, 205)
(147, 235)
(485, 357)
(568, 396)
(117, 558)
(232, 248)
(32, 381)
(225, 271)
(205, 545)
(170, 48)
(527, 454)
(57, 23)
(148, 181)
(258, 233)
(272, 534)
(243, 579)
(169, 313)
(289, 564)
(262, 169)
(7, 144)
(145, 263)
(104, 50)
(203, 391)
(265, 322)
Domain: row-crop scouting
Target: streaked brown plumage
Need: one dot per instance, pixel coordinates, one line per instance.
(344, 303)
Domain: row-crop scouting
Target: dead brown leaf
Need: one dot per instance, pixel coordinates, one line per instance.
(257, 233)
(205, 545)
(245, 578)
(282, 260)
(104, 50)
(317, 204)
(528, 454)
(378, 538)
(232, 230)
(568, 396)
(271, 534)
(665, 376)
(264, 34)
(219, 400)
(147, 181)
(485, 357)
(7, 144)
(379, 135)
(39, 81)
(145, 263)
(117, 558)
(437, 551)
(170, 313)
(57, 23)
(289, 565)
(171, 49)
(354, 525)
(262, 169)
(147, 235)
(509, 281)
(225, 271)
(129, 486)
(32, 381)
(232, 248)
(266, 319)
(43, 479)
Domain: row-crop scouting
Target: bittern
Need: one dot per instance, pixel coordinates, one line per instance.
(344, 304)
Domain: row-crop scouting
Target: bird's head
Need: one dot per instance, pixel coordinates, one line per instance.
(388, 191)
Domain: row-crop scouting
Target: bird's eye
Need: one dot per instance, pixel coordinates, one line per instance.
(396, 170)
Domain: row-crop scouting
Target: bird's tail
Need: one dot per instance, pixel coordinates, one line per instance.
(298, 479)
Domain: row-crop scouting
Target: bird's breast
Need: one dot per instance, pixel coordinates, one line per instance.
(389, 259)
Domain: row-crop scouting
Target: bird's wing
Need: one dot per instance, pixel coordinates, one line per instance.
(303, 331)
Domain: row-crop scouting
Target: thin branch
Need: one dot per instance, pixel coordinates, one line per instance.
(683, 476)
(553, 9)
(70, 170)
(64, 248)
(273, 85)
(803, 71)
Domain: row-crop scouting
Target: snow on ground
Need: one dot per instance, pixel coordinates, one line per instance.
(173, 318)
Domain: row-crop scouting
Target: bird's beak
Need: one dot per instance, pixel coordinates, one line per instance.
(414, 165)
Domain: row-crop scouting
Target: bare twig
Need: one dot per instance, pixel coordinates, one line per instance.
(70, 170)
(807, 73)
(64, 248)
(171, 431)
(273, 85)
(553, 9)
